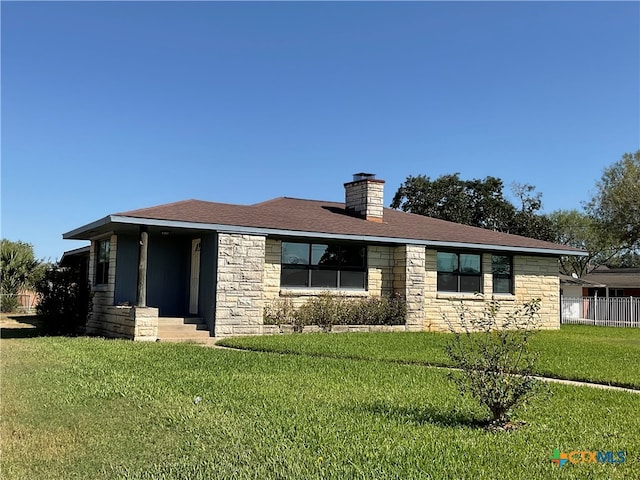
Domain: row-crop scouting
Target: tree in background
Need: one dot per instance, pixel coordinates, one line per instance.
(479, 203)
(527, 221)
(579, 230)
(616, 204)
(19, 270)
(609, 228)
(627, 259)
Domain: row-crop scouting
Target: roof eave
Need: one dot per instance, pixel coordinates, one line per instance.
(121, 219)
(75, 234)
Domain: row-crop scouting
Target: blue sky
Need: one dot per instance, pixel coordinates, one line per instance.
(108, 107)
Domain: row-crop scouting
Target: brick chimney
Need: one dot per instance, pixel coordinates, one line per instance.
(364, 196)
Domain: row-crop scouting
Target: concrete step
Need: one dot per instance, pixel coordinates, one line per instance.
(181, 332)
(180, 320)
(178, 329)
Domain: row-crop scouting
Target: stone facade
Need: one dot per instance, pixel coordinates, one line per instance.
(409, 281)
(410, 270)
(248, 276)
(365, 198)
(272, 269)
(134, 323)
(240, 284)
(537, 277)
(380, 270)
(534, 277)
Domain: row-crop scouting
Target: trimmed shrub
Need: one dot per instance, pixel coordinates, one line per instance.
(492, 350)
(65, 302)
(327, 310)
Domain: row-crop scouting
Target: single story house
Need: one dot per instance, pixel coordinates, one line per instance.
(612, 282)
(603, 282)
(222, 263)
(572, 286)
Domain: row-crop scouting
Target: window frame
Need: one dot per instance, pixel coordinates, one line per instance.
(502, 276)
(102, 266)
(310, 266)
(458, 274)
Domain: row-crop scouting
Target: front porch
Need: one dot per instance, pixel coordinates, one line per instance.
(152, 291)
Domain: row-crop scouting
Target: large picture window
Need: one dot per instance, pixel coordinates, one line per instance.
(502, 269)
(102, 262)
(319, 265)
(459, 272)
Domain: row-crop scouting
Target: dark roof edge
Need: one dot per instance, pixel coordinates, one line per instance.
(297, 233)
(75, 252)
(89, 226)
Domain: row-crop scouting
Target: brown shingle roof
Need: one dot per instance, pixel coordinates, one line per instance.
(616, 277)
(297, 215)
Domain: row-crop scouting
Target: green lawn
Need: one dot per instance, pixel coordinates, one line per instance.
(96, 409)
(576, 352)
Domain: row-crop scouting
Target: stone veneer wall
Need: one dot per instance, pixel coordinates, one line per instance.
(380, 270)
(411, 271)
(409, 281)
(273, 254)
(240, 284)
(102, 294)
(537, 277)
(365, 198)
(109, 320)
(534, 277)
(134, 323)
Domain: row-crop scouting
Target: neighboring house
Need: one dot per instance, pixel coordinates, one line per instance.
(603, 282)
(605, 296)
(575, 287)
(224, 262)
(613, 282)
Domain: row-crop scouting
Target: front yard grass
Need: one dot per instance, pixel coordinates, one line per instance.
(576, 352)
(90, 408)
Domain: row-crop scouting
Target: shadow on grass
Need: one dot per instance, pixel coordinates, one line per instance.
(19, 318)
(25, 326)
(28, 332)
(426, 415)
(20, 326)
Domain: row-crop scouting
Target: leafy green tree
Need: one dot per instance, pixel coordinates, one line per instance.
(526, 220)
(18, 268)
(580, 230)
(627, 259)
(478, 202)
(616, 204)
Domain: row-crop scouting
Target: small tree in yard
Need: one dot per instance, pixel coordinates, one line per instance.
(18, 269)
(65, 302)
(492, 350)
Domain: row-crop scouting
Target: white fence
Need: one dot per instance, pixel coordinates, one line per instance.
(610, 312)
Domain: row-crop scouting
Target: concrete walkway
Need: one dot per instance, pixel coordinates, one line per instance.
(573, 383)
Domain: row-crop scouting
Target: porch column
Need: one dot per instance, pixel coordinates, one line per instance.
(142, 268)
